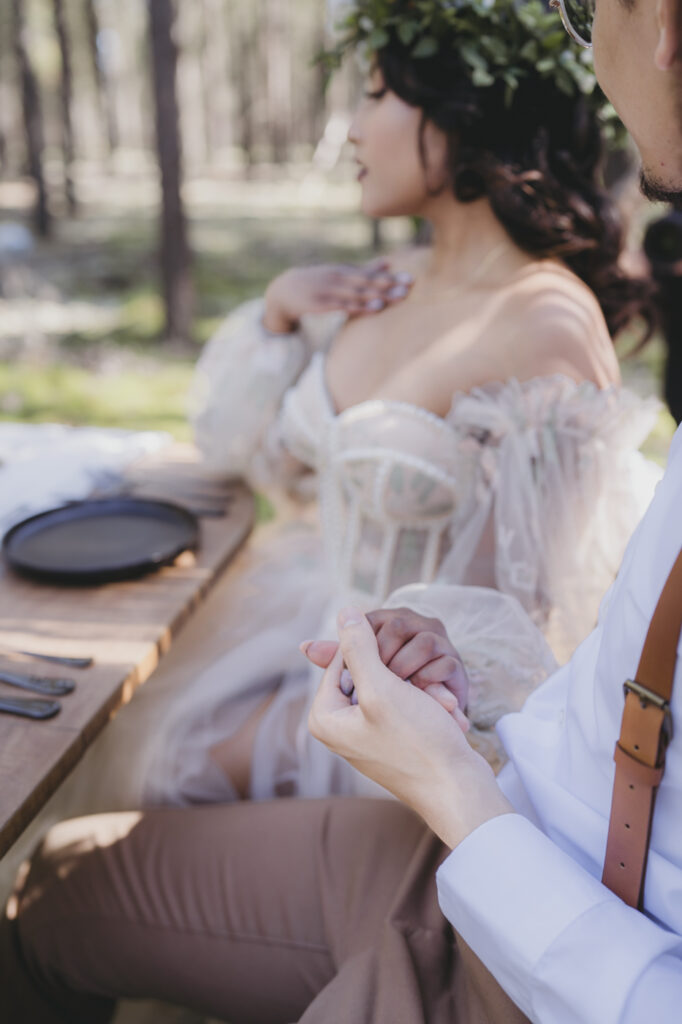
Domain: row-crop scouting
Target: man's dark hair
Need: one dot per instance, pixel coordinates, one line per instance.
(663, 247)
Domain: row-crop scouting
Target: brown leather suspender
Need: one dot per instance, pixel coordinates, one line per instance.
(646, 730)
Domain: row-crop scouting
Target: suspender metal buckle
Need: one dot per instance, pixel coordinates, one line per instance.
(648, 696)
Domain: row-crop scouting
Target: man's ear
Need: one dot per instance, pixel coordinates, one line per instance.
(669, 24)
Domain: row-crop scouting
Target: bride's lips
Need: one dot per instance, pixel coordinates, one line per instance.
(362, 171)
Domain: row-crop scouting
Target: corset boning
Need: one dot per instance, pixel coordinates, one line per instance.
(390, 481)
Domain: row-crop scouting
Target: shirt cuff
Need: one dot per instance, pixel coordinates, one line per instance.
(561, 945)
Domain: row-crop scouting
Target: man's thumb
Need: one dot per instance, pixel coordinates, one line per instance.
(359, 646)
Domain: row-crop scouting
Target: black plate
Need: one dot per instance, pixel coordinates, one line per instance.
(100, 541)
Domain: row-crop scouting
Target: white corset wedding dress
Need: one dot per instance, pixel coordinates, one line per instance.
(507, 520)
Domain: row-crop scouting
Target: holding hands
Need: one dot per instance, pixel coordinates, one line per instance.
(415, 648)
(356, 291)
(397, 733)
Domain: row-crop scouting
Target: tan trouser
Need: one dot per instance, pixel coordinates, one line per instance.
(323, 912)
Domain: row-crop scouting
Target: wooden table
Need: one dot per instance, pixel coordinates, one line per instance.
(126, 627)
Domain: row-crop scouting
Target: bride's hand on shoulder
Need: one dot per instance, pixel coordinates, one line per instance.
(331, 287)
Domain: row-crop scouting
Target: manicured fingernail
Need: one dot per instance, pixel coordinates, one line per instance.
(354, 697)
(403, 277)
(399, 292)
(374, 305)
(305, 646)
(350, 617)
(346, 683)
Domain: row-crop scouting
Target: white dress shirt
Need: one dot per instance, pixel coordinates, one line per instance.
(524, 889)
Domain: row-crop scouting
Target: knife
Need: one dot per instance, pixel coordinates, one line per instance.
(59, 659)
(29, 707)
(38, 684)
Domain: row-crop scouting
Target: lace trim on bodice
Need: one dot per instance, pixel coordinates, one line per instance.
(402, 489)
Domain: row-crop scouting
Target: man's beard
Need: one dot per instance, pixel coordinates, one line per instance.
(657, 192)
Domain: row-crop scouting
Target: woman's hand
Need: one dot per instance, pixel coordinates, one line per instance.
(415, 648)
(332, 287)
(402, 739)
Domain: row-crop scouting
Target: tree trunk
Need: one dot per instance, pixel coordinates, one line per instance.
(219, 105)
(104, 96)
(33, 121)
(242, 39)
(317, 99)
(66, 90)
(175, 255)
(5, 89)
(279, 31)
(207, 78)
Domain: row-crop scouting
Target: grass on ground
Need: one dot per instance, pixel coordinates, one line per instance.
(81, 318)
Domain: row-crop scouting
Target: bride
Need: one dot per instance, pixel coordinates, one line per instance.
(457, 410)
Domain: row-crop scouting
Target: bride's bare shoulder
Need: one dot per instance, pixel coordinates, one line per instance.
(559, 326)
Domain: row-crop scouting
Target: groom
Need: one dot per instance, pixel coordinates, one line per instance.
(324, 912)
(521, 885)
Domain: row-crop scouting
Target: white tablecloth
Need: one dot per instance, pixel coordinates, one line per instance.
(45, 465)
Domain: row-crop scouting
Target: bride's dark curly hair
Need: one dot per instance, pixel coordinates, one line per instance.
(537, 159)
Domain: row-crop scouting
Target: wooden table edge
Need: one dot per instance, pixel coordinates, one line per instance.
(13, 826)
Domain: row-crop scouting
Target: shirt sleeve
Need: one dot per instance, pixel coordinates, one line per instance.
(562, 945)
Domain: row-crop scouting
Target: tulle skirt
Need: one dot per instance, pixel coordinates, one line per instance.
(253, 629)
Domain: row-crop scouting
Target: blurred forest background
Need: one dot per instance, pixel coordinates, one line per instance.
(161, 161)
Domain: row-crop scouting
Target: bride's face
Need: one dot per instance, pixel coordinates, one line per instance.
(395, 179)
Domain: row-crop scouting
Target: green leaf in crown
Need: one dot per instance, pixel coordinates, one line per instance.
(499, 40)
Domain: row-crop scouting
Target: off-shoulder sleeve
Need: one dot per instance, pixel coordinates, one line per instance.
(240, 381)
(560, 486)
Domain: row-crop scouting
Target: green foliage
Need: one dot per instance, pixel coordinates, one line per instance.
(498, 40)
(155, 400)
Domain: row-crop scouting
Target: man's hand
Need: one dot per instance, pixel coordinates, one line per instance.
(401, 738)
(415, 648)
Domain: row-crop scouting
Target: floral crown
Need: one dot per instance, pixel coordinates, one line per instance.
(499, 40)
